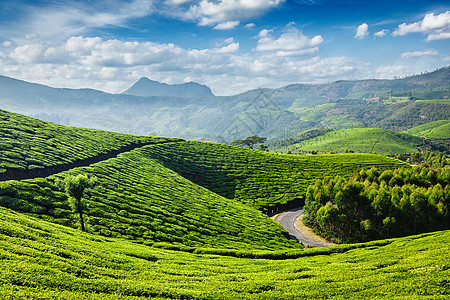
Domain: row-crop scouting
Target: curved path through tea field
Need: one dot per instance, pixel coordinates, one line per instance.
(288, 219)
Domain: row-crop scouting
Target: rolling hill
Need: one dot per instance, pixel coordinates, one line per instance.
(364, 140)
(432, 130)
(273, 113)
(191, 193)
(172, 219)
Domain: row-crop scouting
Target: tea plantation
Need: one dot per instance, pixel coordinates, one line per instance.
(256, 178)
(170, 219)
(30, 144)
(366, 140)
(136, 198)
(40, 260)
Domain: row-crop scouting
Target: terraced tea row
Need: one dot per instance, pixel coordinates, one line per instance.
(257, 178)
(136, 198)
(28, 145)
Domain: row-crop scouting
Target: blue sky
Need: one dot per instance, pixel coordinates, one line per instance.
(230, 45)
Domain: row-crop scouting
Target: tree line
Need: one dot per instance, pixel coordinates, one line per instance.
(376, 205)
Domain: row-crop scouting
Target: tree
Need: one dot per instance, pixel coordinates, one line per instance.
(75, 188)
(250, 141)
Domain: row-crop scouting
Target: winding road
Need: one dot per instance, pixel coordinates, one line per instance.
(288, 219)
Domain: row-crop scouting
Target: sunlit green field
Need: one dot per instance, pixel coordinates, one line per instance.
(365, 140)
(432, 130)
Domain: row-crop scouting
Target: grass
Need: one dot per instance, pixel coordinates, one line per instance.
(432, 130)
(28, 144)
(255, 178)
(40, 260)
(366, 140)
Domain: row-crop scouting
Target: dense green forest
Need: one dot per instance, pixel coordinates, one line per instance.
(379, 204)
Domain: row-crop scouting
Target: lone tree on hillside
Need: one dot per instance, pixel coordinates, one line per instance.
(250, 141)
(75, 187)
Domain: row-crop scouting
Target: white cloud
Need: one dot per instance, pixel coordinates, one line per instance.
(249, 25)
(228, 41)
(392, 71)
(436, 26)
(419, 53)
(58, 22)
(28, 53)
(216, 12)
(6, 43)
(226, 25)
(362, 31)
(381, 33)
(264, 32)
(113, 65)
(292, 42)
(438, 36)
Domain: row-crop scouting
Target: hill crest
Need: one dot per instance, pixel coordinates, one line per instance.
(146, 87)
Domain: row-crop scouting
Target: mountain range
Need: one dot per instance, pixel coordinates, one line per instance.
(191, 110)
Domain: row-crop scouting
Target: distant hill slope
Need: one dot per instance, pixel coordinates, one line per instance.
(364, 140)
(432, 130)
(274, 113)
(145, 87)
(40, 260)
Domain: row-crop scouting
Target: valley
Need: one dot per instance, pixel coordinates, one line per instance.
(174, 218)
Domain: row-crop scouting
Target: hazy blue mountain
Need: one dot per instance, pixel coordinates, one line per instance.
(274, 113)
(145, 87)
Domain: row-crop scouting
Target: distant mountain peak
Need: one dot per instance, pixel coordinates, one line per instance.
(146, 87)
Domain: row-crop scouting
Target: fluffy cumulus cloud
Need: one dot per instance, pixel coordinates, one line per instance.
(224, 14)
(291, 42)
(436, 26)
(419, 53)
(381, 33)
(113, 65)
(362, 31)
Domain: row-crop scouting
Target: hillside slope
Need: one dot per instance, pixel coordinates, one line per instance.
(32, 146)
(432, 130)
(273, 113)
(136, 198)
(256, 178)
(362, 140)
(39, 260)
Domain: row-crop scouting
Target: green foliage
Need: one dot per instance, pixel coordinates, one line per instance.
(250, 141)
(39, 260)
(76, 187)
(431, 159)
(375, 204)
